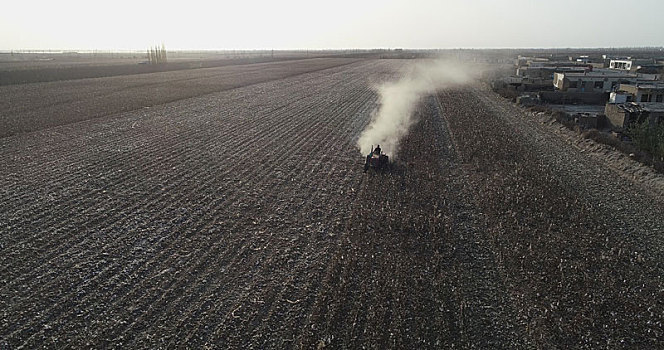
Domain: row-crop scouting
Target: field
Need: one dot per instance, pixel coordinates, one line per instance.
(227, 208)
(21, 68)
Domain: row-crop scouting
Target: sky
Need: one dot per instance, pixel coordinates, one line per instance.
(339, 24)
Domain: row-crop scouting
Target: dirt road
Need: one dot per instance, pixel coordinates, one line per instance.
(241, 219)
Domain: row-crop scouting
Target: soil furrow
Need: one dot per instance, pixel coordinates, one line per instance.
(247, 167)
(234, 146)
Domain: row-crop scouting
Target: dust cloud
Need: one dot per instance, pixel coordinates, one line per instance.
(398, 100)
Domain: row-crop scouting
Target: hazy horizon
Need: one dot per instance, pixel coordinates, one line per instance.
(345, 24)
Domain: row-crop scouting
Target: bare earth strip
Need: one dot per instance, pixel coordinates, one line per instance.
(234, 213)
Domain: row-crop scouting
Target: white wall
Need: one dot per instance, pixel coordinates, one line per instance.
(617, 98)
(623, 64)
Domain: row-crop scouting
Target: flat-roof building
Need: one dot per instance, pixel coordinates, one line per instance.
(622, 115)
(597, 81)
(620, 64)
(652, 92)
(629, 64)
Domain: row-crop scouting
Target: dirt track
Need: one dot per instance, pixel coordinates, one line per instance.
(241, 218)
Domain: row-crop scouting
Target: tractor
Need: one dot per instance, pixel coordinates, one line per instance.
(376, 159)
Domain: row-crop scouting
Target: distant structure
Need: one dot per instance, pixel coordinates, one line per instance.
(622, 115)
(598, 81)
(625, 64)
(157, 55)
(635, 103)
(584, 59)
(631, 89)
(643, 92)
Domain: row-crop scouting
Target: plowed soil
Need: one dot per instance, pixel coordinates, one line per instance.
(234, 213)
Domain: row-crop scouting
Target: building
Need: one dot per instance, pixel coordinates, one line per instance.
(537, 75)
(597, 81)
(612, 57)
(621, 115)
(523, 61)
(583, 59)
(619, 97)
(546, 72)
(630, 64)
(621, 64)
(653, 92)
(651, 69)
